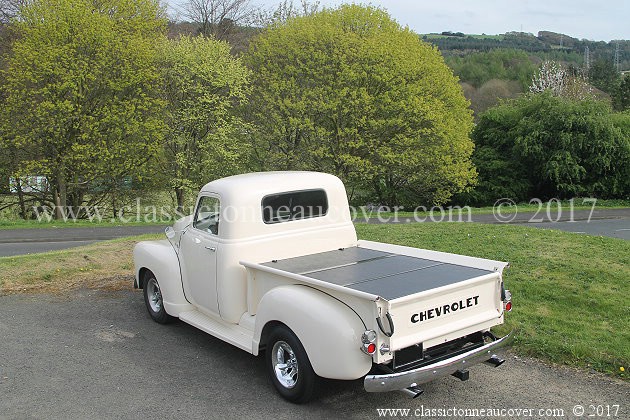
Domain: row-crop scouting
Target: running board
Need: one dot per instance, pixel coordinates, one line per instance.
(231, 333)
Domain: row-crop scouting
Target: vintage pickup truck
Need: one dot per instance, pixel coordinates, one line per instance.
(270, 262)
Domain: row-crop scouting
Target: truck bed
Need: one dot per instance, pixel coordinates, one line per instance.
(384, 274)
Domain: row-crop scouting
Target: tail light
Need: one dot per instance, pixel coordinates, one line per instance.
(507, 301)
(368, 341)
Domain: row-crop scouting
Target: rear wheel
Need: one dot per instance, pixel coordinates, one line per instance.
(288, 366)
(153, 299)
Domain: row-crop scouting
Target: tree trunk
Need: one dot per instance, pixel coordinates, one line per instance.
(114, 208)
(18, 185)
(61, 197)
(179, 194)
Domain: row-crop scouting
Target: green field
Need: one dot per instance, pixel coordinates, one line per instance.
(570, 292)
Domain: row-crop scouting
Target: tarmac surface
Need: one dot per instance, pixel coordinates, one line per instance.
(97, 354)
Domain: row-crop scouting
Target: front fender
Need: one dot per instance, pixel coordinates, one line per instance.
(328, 329)
(160, 258)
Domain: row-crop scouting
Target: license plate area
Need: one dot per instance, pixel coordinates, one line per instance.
(416, 356)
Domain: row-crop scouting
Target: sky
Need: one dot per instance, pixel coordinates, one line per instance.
(602, 20)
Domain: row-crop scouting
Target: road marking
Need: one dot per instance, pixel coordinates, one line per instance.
(621, 230)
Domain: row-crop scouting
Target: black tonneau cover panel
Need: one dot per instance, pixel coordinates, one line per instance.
(390, 276)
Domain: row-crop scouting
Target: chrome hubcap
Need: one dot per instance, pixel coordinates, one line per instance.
(285, 364)
(154, 294)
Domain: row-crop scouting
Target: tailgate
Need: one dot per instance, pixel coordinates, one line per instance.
(448, 312)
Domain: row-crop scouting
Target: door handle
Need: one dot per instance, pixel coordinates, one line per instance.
(211, 248)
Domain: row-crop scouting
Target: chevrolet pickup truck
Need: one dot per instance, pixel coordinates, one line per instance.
(270, 263)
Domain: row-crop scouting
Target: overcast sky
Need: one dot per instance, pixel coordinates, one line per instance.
(602, 20)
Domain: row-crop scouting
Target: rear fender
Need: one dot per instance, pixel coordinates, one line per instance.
(328, 329)
(160, 258)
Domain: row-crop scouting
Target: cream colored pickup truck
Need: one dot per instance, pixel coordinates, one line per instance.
(271, 263)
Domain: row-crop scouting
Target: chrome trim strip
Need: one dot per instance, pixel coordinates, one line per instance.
(402, 380)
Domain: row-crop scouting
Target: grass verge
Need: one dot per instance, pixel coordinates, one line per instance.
(104, 265)
(570, 291)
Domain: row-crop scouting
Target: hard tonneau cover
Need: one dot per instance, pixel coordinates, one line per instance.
(380, 273)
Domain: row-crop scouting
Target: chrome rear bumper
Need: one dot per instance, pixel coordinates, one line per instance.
(402, 380)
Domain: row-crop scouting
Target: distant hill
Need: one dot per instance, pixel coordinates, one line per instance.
(546, 44)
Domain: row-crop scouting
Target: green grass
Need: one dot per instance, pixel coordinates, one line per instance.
(106, 264)
(570, 292)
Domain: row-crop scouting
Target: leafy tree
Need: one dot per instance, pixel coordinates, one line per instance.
(545, 146)
(621, 97)
(481, 67)
(80, 101)
(202, 83)
(351, 92)
(604, 76)
(490, 93)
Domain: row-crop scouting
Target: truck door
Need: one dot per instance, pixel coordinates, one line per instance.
(198, 255)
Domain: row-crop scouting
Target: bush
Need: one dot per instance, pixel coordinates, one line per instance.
(544, 146)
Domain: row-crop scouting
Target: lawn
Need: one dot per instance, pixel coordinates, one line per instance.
(570, 291)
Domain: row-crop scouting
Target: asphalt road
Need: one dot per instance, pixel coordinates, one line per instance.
(96, 354)
(30, 241)
(606, 222)
(615, 228)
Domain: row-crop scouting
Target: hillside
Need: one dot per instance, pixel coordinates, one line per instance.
(546, 44)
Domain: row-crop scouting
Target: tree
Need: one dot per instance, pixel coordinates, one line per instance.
(621, 97)
(202, 83)
(80, 79)
(559, 81)
(604, 76)
(490, 93)
(218, 17)
(504, 64)
(545, 146)
(284, 11)
(351, 92)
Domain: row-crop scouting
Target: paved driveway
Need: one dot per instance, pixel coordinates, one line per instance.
(96, 354)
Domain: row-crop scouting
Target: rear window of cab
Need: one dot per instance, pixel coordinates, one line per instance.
(294, 205)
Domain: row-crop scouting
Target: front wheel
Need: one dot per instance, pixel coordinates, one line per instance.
(288, 366)
(154, 301)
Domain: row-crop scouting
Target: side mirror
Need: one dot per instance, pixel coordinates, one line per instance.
(169, 232)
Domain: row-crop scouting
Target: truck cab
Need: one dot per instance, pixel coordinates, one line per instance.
(271, 263)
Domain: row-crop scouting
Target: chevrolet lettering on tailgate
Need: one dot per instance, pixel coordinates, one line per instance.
(444, 309)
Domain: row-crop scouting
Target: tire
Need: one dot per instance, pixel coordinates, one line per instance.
(153, 299)
(297, 382)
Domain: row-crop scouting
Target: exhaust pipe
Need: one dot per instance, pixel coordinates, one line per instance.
(495, 361)
(412, 391)
(461, 374)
